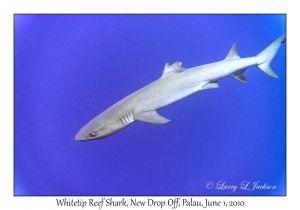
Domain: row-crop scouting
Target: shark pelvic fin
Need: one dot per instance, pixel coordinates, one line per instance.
(240, 76)
(233, 54)
(152, 117)
(211, 85)
(172, 69)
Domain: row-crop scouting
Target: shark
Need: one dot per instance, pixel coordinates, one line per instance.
(175, 84)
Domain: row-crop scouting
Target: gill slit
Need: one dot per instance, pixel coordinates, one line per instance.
(127, 118)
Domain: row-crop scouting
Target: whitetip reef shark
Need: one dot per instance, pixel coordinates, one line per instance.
(175, 84)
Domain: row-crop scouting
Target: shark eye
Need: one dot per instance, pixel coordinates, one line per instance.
(92, 134)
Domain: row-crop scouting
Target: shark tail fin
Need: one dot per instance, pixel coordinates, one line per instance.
(267, 55)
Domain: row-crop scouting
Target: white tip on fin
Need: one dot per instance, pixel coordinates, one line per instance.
(172, 69)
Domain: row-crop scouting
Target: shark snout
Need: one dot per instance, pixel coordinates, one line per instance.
(79, 137)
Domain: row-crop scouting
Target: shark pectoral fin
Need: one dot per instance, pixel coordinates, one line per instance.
(151, 117)
(240, 76)
(210, 85)
(172, 69)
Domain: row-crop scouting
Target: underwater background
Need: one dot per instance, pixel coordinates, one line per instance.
(70, 68)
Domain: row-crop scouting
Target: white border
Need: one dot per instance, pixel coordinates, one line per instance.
(8, 8)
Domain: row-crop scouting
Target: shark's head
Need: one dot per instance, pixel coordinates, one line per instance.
(100, 127)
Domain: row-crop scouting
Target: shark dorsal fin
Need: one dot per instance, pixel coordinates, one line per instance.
(172, 69)
(233, 54)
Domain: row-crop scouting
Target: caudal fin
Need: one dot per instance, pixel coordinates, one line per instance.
(267, 55)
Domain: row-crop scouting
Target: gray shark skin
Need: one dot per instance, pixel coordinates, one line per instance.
(175, 84)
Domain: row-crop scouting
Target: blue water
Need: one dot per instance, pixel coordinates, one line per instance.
(70, 68)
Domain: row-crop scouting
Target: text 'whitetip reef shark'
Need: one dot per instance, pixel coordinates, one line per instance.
(175, 84)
